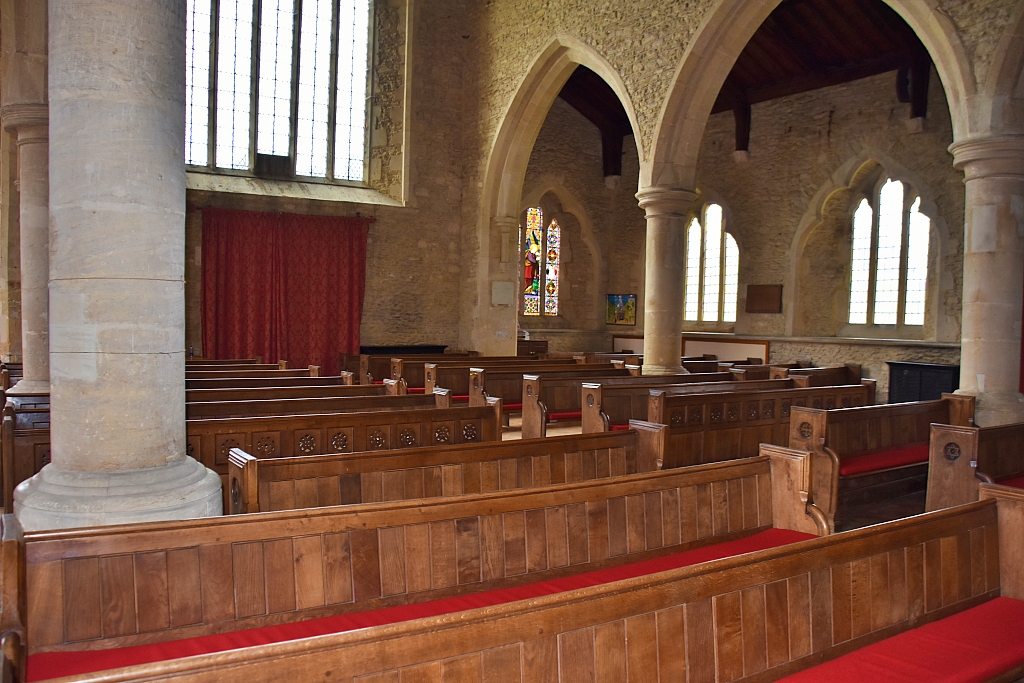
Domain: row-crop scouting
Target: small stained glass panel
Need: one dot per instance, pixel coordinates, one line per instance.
(890, 236)
(691, 302)
(532, 261)
(917, 265)
(860, 263)
(712, 261)
(234, 68)
(551, 263)
(730, 291)
(197, 82)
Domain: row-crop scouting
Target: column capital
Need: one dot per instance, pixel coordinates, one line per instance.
(662, 201)
(994, 156)
(29, 121)
(505, 222)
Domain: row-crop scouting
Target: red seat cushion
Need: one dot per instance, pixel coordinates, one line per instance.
(973, 645)
(415, 390)
(1016, 482)
(884, 459)
(619, 427)
(512, 407)
(380, 382)
(460, 398)
(54, 664)
(569, 415)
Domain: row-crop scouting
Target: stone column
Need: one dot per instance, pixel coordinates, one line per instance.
(117, 235)
(28, 122)
(667, 212)
(993, 276)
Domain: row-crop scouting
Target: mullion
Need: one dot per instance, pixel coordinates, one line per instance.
(873, 259)
(293, 122)
(332, 97)
(211, 118)
(254, 81)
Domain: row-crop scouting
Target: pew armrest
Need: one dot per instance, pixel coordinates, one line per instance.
(961, 409)
(7, 455)
(494, 403)
(347, 378)
(12, 597)
(1010, 512)
(652, 444)
(314, 370)
(952, 455)
(590, 409)
(793, 506)
(243, 482)
(442, 397)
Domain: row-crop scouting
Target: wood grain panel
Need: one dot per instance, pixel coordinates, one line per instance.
(217, 583)
(948, 569)
(308, 569)
(755, 647)
(821, 610)
(536, 541)
(514, 524)
(502, 665)
(184, 582)
(576, 656)
(977, 561)
(720, 507)
(764, 500)
(250, 579)
(540, 660)
(610, 652)
(729, 636)
(617, 543)
(705, 521)
(556, 532)
(462, 669)
(82, 599)
(799, 591)
(842, 605)
(423, 673)
(392, 565)
(492, 548)
(117, 587)
(700, 642)
(598, 531)
(735, 492)
(860, 597)
(467, 549)
(776, 598)
(653, 522)
(915, 581)
(365, 558)
(578, 534)
(880, 608)
(417, 557)
(443, 561)
(636, 537)
(151, 587)
(963, 565)
(932, 575)
(671, 638)
(45, 596)
(688, 528)
(897, 586)
(280, 577)
(642, 648)
(670, 530)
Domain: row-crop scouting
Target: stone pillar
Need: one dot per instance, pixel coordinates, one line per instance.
(993, 276)
(667, 213)
(28, 122)
(117, 234)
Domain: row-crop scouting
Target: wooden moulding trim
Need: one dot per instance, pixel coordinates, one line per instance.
(719, 576)
(45, 546)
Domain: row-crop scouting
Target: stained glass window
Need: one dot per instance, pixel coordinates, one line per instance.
(542, 254)
(892, 241)
(712, 270)
(554, 241)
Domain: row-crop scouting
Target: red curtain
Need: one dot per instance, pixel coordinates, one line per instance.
(282, 286)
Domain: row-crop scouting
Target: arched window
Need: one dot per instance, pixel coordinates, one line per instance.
(712, 270)
(541, 256)
(889, 264)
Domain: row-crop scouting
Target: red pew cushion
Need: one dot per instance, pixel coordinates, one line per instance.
(973, 645)
(886, 458)
(415, 390)
(1016, 482)
(568, 415)
(619, 427)
(512, 407)
(46, 665)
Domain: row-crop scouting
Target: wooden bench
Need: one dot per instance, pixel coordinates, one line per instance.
(140, 584)
(830, 376)
(217, 367)
(343, 379)
(344, 479)
(309, 406)
(376, 366)
(550, 397)
(311, 371)
(210, 440)
(758, 608)
(190, 362)
(256, 393)
(506, 381)
(866, 455)
(709, 427)
(24, 442)
(961, 458)
(414, 372)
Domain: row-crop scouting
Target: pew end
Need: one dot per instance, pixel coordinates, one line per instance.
(807, 430)
(347, 378)
(395, 387)
(1010, 514)
(315, 371)
(535, 413)
(243, 481)
(634, 370)
(7, 455)
(593, 419)
(952, 464)
(13, 595)
(442, 397)
(961, 409)
(652, 442)
(793, 506)
(429, 377)
(282, 365)
(477, 395)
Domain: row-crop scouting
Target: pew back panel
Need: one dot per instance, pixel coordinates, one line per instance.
(311, 371)
(259, 393)
(306, 406)
(267, 382)
(317, 481)
(713, 427)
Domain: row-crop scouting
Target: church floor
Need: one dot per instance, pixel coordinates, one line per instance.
(514, 430)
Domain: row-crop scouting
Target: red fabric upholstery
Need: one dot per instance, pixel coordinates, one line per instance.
(54, 664)
(512, 407)
(282, 286)
(415, 390)
(973, 645)
(1016, 482)
(380, 382)
(553, 417)
(619, 427)
(884, 459)
(461, 398)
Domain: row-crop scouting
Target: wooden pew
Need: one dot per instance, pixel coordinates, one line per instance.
(870, 454)
(414, 371)
(374, 368)
(24, 443)
(190, 362)
(554, 396)
(713, 616)
(961, 458)
(311, 371)
(820, 377)
(258, 570)
(607, 406)
(709, 427)
(273, 484)
(344, 379)
(506, 381)
(210, 440)
(255, 393)
(311, 406)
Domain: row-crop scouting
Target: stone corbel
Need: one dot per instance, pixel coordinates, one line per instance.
(29, 122)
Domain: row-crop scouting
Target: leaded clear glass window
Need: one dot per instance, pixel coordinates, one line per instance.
(711, 280)
(889, 260)
(278, 87)
(542, 251)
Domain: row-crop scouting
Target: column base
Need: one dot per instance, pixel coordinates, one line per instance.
(63, 499)
(993, 409)
(29, 387)
(663, 370)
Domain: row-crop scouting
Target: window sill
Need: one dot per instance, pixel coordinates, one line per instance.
(285, 189)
